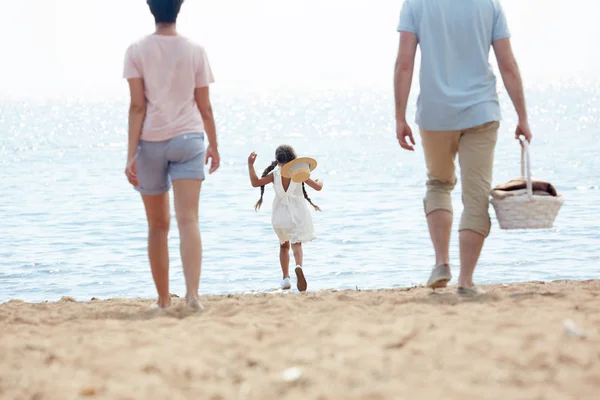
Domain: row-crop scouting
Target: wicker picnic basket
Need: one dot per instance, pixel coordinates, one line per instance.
(527, 211)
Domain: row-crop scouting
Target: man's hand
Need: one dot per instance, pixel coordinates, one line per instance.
(403, 132)
(131, 171)
(523, 130)
(212, 153)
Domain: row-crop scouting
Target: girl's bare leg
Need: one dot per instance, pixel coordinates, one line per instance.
(297, 249)
(284, 259)
(298, 256)
(158, 216)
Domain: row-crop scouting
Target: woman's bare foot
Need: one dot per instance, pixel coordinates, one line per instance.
(194, 304)
(163, 302)
(159, 306)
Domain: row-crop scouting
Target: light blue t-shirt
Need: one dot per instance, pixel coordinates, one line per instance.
(458, 87)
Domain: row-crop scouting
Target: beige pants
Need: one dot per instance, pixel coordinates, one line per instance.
(475, 149)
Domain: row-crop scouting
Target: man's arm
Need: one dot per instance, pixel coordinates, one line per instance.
(511, 76)
(403, 72)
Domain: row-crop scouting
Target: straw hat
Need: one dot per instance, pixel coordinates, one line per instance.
(299, 169)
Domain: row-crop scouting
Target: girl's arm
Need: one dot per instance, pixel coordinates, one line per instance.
(254, 179)
(317, 184)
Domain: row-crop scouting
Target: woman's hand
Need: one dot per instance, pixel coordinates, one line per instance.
(212, 153)
(131, 171)
(252, 158)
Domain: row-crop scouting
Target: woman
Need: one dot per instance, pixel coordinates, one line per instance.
(169, 113)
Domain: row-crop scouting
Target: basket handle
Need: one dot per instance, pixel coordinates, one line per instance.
(526, 165)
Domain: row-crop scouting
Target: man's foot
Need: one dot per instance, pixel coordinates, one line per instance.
(469, 291)
(302, 285)
(286, 283)
(440, 276)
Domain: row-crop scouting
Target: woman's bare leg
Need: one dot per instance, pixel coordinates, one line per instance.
(187, 199)
(158, 216)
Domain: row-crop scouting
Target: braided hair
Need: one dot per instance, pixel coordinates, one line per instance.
(283, 154)
(308, 199)
(262, 188)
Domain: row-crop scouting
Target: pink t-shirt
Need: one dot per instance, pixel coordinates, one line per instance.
(171, 67)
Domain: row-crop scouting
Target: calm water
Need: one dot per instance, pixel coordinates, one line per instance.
(71, 225)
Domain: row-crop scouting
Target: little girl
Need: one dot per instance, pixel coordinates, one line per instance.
(291, 218)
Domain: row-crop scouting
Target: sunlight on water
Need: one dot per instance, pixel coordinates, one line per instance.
(73, 226)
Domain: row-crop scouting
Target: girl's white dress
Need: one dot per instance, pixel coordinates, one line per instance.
(292, 220)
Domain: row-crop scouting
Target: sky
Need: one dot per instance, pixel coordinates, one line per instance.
(76, 47)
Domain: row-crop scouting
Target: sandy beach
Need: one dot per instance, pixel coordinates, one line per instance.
(519, 341)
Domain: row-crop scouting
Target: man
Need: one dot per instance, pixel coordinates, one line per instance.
(458, 113)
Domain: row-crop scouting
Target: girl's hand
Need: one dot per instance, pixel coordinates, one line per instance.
(251, 158)
(131, 171)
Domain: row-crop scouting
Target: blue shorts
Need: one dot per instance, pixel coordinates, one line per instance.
(159, 163)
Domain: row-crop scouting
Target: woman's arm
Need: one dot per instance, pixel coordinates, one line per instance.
(316, 184)
(137, 113)
(202, 98)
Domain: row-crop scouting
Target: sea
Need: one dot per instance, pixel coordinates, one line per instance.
(71, 225)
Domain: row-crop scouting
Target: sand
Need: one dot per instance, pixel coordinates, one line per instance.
(519, 341)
